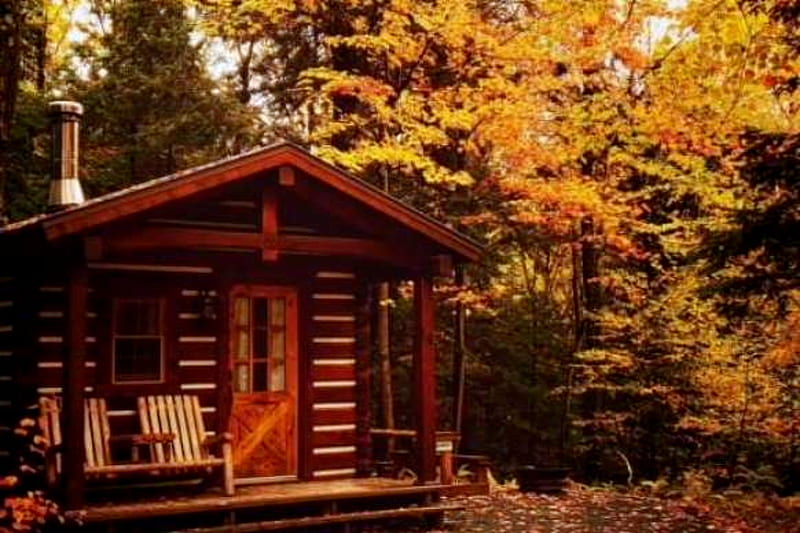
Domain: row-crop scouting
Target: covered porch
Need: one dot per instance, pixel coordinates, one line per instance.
(239, 297)
(270, 507)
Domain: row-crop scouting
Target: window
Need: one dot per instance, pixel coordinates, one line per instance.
(138, 341)
(259, 344)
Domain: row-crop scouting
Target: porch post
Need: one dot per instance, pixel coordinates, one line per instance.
(74, 454)
(425, 379)
(458, 357)
(363, 379)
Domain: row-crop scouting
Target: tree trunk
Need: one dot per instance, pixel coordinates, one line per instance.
(592, 294)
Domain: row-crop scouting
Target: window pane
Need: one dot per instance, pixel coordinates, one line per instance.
(241, 311)
(277, 347)
(137, 359)
(260, 328)
(278, 311)
(241, 378)
(242, 349)
(277, 378)
(259, 376)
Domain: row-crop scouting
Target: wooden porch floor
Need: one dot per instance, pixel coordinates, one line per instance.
(307, 496)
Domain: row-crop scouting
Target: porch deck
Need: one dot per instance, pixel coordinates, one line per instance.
(278, 503)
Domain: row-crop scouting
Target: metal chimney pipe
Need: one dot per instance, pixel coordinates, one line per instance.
(65, 187)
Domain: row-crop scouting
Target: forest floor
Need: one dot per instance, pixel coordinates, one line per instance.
(584, 509)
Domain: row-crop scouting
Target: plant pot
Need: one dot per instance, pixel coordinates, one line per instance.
(542, 479)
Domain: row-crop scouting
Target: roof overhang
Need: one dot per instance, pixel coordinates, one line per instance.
(115, 206)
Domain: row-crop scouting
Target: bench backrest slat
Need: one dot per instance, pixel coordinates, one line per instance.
(179, 415)
(96, 430)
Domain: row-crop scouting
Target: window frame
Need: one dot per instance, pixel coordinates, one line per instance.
(162, 337)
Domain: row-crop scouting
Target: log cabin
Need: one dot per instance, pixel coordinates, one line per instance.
(245, 283)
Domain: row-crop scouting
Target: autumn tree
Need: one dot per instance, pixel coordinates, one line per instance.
(152, 107)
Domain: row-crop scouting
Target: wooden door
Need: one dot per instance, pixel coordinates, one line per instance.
(264, 369)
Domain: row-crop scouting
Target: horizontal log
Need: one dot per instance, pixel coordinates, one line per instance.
(197, 350)
(334, 285)
(342, 416)
(197, 374)
(156, 237)
(334, 460)
(333, 438)
(333, 372)
(332, 307)
(343, 394)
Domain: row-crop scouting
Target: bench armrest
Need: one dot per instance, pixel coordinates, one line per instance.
(215, 440)
(144, 439)
(53, 450)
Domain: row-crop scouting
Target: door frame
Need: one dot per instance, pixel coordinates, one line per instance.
(291, 357)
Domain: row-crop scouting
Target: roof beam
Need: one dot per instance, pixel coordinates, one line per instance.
(159, 238)
(269, 223)
(143, 197)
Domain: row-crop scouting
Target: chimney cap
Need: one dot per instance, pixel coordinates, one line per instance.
(65, 107)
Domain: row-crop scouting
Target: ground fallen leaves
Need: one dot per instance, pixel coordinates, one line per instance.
(583, 509)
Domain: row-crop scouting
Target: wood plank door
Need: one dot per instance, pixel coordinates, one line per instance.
(263, 359)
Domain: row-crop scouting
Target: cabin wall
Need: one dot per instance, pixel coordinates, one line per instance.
(196, 355)
(191, 354)
(333, 376)
(9, 329)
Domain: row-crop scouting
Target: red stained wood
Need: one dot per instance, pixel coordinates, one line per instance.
(334, 438)
(334, 329)
(333, 416)
(442, 265)
(197, 350)
(198, 374)
(286, 176)
(332, 351)
(137, 200)
(337, 394)
(424, 372)
(74, 383)
(156, 237)
(333, 373)
(306, 416)
(334, 460)
(333, 307)
(269, 224)
(363, 355)
(390, 252)
(263, 423)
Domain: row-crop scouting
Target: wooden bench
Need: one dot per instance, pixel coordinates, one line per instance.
(96, 437)
(176, 448)
(178, 440)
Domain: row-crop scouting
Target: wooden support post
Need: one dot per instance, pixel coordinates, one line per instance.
(383, 332)
(425, 379)
(305, 393)
(224, 351)
(363, 379)
(269, 224)
(74, 456)
(286, 176)
(459, 349)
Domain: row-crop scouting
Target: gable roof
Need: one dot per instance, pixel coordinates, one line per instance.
(153, 193)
